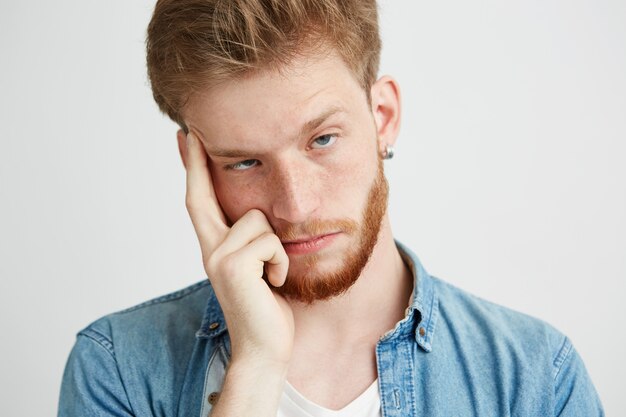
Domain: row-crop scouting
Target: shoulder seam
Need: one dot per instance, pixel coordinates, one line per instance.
(104, 342)
(98, 338)
(561, 356)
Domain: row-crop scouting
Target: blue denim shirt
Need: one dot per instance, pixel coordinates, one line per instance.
(452, 355)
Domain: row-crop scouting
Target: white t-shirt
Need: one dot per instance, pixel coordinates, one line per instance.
(293, 404)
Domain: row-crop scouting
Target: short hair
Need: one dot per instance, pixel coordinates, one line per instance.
(193, 45)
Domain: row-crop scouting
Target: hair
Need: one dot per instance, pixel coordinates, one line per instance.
(193, 45)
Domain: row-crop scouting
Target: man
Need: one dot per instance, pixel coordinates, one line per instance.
(310, 305)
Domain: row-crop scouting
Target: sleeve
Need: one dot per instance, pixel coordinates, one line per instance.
(574, 391)
(91, 383)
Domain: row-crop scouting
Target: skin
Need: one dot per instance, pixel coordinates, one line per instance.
(298, 174)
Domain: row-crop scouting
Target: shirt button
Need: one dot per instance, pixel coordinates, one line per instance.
(214, 326)
(422, 331)
(213, 397)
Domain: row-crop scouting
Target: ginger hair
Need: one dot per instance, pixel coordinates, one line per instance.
(193, 45)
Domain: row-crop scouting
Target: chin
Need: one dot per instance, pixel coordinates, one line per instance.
(313, 266)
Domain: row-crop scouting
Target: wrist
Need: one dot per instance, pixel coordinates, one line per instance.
(254, 364)
(252, 387)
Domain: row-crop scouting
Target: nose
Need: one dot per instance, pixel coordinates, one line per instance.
(294, 192)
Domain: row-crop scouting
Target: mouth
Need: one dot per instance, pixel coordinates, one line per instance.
(308, 245)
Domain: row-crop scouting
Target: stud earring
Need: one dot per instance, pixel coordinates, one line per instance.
(388, 152)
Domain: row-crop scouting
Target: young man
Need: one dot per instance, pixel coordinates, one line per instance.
(310, 305)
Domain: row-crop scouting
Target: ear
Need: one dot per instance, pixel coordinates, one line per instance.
(181, 137)
(385, 94)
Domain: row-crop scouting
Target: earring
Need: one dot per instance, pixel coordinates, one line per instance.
(388, 152)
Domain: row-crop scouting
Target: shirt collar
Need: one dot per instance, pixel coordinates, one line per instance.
(420, 319)
(421, 315)
(213, 322)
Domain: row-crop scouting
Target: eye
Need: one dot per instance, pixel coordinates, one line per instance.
(243, 165)
(324, 141)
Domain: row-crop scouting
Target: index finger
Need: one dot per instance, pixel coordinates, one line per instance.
(206, 214)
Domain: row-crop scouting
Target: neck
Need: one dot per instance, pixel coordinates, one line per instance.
(372, 306)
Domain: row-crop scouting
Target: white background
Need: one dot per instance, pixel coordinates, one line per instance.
(509, 179)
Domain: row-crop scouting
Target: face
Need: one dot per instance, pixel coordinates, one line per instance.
(301, 146)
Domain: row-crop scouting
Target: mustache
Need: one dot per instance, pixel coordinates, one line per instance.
(315, 228)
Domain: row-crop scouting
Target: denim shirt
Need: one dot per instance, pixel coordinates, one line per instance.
(452, 355)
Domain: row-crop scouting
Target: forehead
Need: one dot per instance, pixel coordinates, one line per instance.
(274, 102)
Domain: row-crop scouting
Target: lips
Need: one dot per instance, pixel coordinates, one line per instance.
(308, 245)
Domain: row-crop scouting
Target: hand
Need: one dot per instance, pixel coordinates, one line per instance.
(260, 322)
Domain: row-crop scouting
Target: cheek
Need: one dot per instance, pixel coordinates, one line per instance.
(349, 183)
(235, 199)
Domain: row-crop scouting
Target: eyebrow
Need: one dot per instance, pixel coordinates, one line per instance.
(306, 128)
(315, 123)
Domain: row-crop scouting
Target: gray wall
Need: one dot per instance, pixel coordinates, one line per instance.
(509, 179)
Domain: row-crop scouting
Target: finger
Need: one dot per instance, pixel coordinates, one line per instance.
(206, 214)
(248, 228)
(268, 249)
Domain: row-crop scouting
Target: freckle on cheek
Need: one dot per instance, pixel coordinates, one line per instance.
(238, 200)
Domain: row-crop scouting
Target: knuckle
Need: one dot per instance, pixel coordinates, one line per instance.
(256, 215)
(212, 264)
(270, 238)
(190, 202)
(228, 266)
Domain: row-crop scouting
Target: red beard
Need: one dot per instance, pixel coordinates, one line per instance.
(308, 287)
